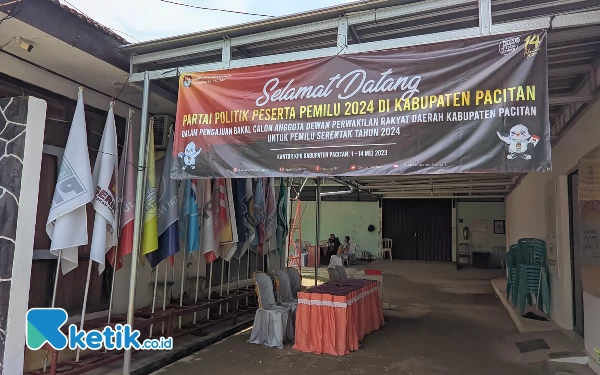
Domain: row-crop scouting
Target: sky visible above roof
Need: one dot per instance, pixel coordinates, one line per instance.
(143, 20)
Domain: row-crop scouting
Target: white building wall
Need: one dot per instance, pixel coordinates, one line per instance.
(526, 207)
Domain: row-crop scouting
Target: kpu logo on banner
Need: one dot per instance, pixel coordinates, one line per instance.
(68, 185)
(187, 81)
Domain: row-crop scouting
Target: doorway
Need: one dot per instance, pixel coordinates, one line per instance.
(421, 229)
(575, 233)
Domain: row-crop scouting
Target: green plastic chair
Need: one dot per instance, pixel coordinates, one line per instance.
(512, 266)
(533, 274)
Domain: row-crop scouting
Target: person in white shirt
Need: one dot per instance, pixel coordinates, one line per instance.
(349, 251)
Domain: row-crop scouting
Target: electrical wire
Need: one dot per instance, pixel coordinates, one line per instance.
(215, 9)
(11, 13)
(110, 36)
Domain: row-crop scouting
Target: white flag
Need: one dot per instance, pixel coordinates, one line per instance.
(106, 194)
(67, 221)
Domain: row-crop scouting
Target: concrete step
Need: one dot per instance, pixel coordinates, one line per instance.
(569, 363)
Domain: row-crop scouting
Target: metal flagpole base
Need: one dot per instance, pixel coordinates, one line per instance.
(53, 300)
(85, 298)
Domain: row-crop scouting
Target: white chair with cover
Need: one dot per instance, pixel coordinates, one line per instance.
(333, 274)
(295, 280)
(271, 320)
(342, 272)
(287, 299)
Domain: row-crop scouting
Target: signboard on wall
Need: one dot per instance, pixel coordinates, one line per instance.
(590, 224)
(477, 105)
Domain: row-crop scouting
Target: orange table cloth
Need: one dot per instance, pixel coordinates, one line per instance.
(333, 317)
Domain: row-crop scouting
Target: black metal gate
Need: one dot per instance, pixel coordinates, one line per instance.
(421, 229)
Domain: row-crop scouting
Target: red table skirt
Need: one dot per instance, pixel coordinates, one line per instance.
(335, 324)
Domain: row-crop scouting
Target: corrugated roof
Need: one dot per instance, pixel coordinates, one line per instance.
(92, 22)
(270, 24)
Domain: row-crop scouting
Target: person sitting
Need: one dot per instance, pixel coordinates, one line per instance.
(333, 244)
(336, 259)
(349, 251)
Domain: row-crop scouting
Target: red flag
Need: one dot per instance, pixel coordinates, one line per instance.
(219, 205)
(127, 168)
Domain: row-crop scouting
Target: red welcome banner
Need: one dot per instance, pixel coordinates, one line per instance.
(479, 105)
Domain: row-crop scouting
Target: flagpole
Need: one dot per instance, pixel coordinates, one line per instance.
(137, 226)
(182, 281)
(173, 280)
(85, 298)
(162, 329)
(120, 211)
(56, 277)
(247, 271)
(228, 281)
(237, 287)
(53, 299)
(209, 288)
(197, 282)
(156, 269)
(222, 274)
(317, 229)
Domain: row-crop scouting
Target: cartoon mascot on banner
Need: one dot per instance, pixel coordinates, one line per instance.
(518, 140)
(189, 155)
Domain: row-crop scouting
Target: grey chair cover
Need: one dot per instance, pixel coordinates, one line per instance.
(294, 281)
(271, 320)
(342, 272)
(285, 292)
(333, 274)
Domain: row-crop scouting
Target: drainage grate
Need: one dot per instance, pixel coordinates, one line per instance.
(532, 345)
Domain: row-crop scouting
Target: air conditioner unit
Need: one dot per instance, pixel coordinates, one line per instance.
(161, 126)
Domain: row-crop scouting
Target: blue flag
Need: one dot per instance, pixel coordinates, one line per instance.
(168, 214)
(189, 225)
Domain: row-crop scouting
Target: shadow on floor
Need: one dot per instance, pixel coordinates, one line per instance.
(448, 322)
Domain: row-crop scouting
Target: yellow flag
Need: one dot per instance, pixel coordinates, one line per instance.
(150, 229)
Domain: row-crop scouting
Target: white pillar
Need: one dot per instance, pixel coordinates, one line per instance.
(22, 231)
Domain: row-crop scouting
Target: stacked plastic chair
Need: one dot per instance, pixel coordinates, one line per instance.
(532, 275)
(512, 269)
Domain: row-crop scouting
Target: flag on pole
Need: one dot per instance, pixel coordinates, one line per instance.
(208, 233)
(219, 207)
(150, 227)
(106, 197)
(259, 213)
(241, 214)
(282, 227)
(271, 216)
(126, 168)
(189, 229)
(229, 234)
(248, 213)
(251, 217)
(67, 220)
(168, 214)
